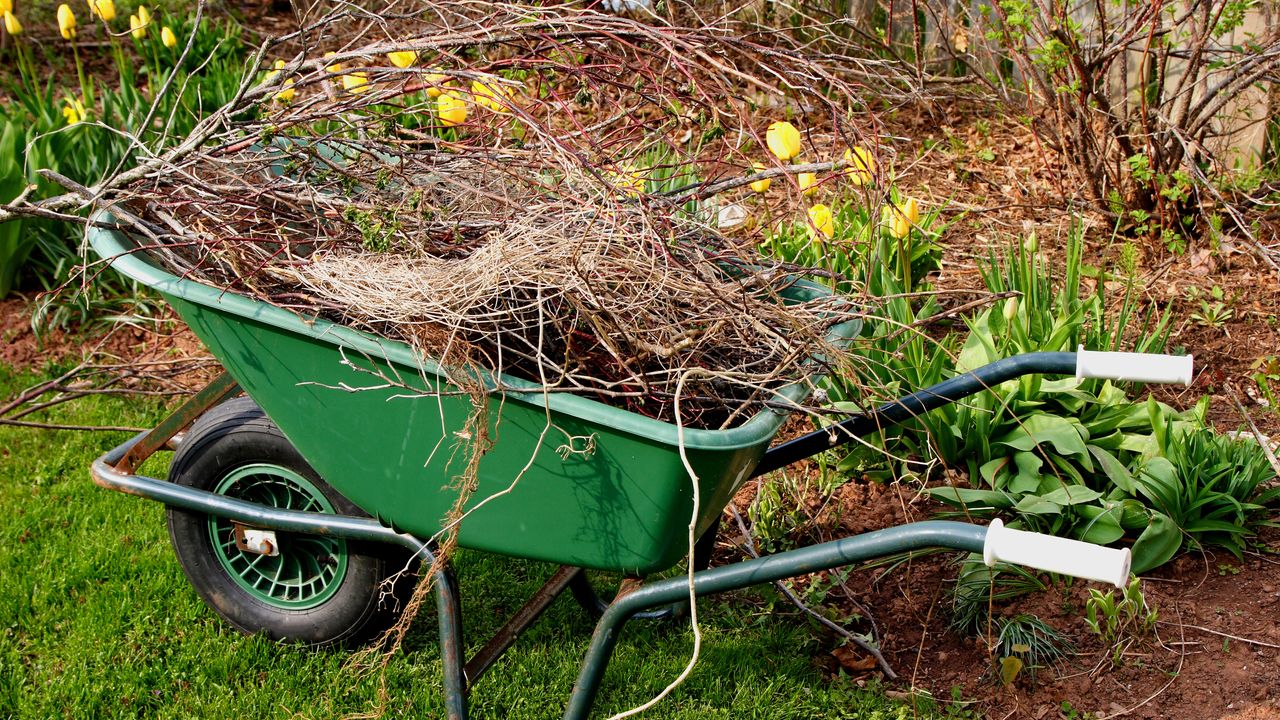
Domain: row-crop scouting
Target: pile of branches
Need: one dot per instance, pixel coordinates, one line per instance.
(554, 193)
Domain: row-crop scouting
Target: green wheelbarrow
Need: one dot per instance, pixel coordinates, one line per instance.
(290, 507)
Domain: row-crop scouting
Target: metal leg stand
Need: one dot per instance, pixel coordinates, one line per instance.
(914, 536)
(449, 612)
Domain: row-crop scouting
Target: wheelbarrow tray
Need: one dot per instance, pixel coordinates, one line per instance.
(574, 481)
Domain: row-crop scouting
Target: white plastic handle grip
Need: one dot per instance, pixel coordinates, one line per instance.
(1055, 554)
(1134, 367)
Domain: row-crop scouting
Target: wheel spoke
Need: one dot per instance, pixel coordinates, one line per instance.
(309, 568)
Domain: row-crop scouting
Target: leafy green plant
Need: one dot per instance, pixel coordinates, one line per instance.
(978, 586)
(1120, 622)
(862, 252)
(1214, 310)
(34, 132)
(1204, 488)
(1027, 644)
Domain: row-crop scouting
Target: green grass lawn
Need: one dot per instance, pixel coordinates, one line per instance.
(97, 621)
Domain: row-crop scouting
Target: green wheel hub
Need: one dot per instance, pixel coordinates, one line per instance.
(309, 568)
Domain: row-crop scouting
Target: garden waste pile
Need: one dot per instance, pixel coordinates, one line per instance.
(556, 194)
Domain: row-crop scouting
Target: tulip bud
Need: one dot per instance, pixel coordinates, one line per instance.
(902, 219)
(356, 82)
(11, 24)
(286, 95)
(451, 109)
(821, 222)
(168, 38)
(760, 185)
(104, 9)
(494, 96)
(66, 22)
(808, 183)
(6, 6)
(859, 166)
(74, 111)
(137, 26)
(435, 83)
(783, 140)
(403, 58)
(1031, 244)
(1010, 309)
(333, 68)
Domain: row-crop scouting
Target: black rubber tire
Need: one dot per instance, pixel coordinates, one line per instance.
(236, 434)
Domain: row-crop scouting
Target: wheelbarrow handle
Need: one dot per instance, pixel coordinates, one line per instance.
(1134, 367)
(1055, 554)
(1137, 367)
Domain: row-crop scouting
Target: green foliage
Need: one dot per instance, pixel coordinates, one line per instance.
(1027, 643)
(13, 246)
(1072, 457)
(862, 253)
(1120, 621)
(978, 586)
(34, 133)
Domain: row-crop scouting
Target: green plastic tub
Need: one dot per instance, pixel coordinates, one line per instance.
(620, 500)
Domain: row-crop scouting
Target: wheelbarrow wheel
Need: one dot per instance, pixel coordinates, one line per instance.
(317, 590)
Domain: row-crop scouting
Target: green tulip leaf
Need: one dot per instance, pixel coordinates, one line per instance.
(1057, 431)
(1115, 471)
(1157, 544)
(971, 498)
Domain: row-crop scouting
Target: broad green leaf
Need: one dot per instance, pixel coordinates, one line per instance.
(979, 349)
(971, 498)
(1159, 542)
(1101, 526)
(1071, 495)
(990, 471)
(1158, 482)
(1115, 471)
(1027, 478)
(1041, 428)
(1035, 505)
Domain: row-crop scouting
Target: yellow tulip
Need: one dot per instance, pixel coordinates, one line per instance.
(496, 97)
(144, 14)
(11, 24)
(628, 180)
(167, 37)
(137, 26)
(104, 9)
(760, 185)
(783, 140)
(74, 111)
(403, 58)
(808, 183)
(356, 82)
(66, 22)
(821, 222)
(274, 72)
(451, 109)
(286, 95)
(332, 68)
(436, 83)
(6, 7)
(902, 219)
(859, 166)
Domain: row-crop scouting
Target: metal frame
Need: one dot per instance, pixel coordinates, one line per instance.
(116, 470)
